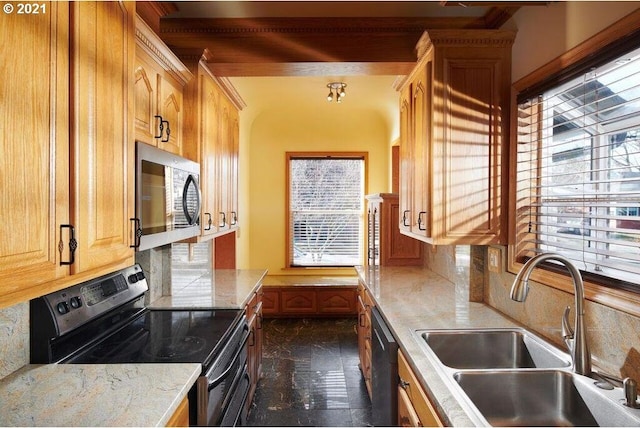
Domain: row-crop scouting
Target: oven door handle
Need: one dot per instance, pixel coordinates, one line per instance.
(217, 381)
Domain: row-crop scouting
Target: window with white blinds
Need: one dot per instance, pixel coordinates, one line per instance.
(578, 171)
(326, 206)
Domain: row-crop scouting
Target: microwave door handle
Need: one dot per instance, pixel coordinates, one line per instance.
(191, 220)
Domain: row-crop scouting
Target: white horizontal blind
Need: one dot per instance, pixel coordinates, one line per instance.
(578, 171)
(326, 202)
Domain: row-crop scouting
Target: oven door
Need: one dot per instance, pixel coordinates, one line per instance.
(222, 391)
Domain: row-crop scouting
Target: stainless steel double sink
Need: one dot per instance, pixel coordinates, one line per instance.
(511, 377)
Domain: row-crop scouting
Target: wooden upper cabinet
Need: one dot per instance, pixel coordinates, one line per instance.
(454, 126)
(67, 147)
(211, 138)
(386, 245)
(102, 143)
(34, 169)
(202, 101)
(159, 83)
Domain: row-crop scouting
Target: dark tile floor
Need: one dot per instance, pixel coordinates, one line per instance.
(310, 375)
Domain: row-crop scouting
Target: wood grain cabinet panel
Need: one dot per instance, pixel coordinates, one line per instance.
(414, 406)
(454, 126)
(386, 245)
(364, 304)
(34, 150)
(337, 301)
(102, 145)
(71, 126)
(253, 312)
(211, 138)
(309, 300)
(180, 417)
(159, 81)
(270, 301)
(298, 301)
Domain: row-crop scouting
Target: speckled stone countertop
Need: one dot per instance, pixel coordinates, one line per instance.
(94, 394)
(412, 298)
(219, 288)
(302, 280)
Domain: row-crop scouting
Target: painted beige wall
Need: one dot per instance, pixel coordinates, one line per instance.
(270, 136)
(546, 32)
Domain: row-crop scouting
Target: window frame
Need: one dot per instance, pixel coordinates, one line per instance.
(613, 41)
(364, 156)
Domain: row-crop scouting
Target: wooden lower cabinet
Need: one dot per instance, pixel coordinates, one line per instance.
(414, 407)
(253, 312)
(364, 334)
(309, 301)
(180, 417)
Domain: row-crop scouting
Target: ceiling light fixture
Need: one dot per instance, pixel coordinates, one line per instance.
(336, 89)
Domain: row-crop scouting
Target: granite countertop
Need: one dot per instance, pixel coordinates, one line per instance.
(219, 288)
(413, 298)
(95, 394)
(314, 280)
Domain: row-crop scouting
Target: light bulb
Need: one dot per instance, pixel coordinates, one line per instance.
(342, 91)
(330, 96)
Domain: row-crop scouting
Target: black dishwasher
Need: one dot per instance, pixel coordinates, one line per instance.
(384, 372)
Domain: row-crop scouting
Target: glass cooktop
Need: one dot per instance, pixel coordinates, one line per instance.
(163, 336)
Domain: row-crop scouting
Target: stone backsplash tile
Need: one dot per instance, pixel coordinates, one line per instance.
(14, 338)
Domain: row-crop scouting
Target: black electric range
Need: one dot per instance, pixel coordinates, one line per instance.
(104, 321)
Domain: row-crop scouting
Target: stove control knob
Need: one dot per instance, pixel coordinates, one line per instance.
(75, 302)
(133, 278)
(140, 276)
(62, 308)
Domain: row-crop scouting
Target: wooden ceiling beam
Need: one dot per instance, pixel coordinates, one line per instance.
(312, 46)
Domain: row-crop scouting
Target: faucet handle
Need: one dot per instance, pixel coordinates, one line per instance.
(567, 331)
(630, 392)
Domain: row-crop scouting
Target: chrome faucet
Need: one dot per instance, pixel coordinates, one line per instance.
(575, 338)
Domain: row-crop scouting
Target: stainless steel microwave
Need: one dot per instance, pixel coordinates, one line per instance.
(167, 198)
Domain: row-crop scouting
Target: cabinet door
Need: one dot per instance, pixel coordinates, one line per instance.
(171, 109)
(223, 165)
(421, 98)
(299, 302)
(396, 249)
(103, 54)
(472, 182)
(407, 416)
(234, 153)
(34, 170)
(413, 391)
(337, 301)
(406, 160)
(145, 94)
(210, 99)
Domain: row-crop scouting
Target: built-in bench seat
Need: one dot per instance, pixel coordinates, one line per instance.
(309, 296)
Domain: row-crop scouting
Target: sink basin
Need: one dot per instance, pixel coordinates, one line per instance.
(493, 349)
(543, 398)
